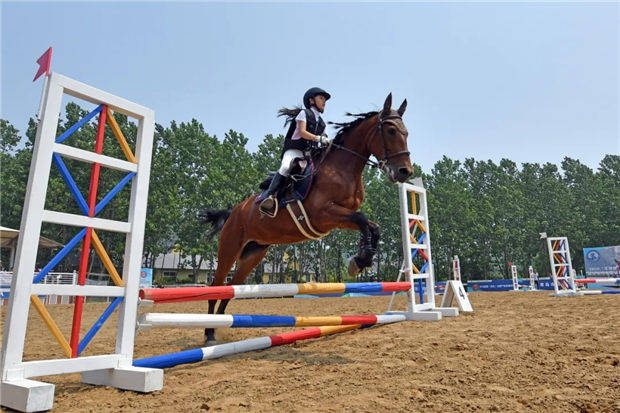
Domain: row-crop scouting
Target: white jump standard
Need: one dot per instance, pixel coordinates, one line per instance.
(533, 278)
(456, 268)
(18, 391)
(515, 278)
(561, 267)
(455, 290)
(414, 221)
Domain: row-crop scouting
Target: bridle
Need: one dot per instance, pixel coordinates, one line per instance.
(389, 119)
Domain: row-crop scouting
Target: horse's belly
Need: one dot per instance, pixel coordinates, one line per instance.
(278, 230)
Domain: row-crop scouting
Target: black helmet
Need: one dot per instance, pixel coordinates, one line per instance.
(312, 92)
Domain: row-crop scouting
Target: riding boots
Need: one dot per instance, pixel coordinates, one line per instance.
(269, 205)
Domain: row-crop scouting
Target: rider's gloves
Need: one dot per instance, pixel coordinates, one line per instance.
(325, 140)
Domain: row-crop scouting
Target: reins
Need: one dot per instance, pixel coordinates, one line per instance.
(389, 119)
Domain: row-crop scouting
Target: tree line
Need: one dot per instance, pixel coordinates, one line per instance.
(487, 213)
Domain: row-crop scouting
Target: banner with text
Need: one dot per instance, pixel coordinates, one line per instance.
(602, 261)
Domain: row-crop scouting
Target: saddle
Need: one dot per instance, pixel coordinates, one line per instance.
(298, 185)
(292, 195)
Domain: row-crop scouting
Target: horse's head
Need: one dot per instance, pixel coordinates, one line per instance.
(388, 143)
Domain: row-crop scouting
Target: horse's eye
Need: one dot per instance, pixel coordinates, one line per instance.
(392, 131)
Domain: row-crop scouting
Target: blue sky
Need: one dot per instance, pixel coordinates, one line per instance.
(532, 82)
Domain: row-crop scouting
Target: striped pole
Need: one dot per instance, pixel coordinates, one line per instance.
(602, 281)
(149, 320)
(222, 350)
(171, 295)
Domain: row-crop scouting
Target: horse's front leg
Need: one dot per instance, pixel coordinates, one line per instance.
(369, 234)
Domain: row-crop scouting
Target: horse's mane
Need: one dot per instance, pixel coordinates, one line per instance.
(345, 127)
(342, 128)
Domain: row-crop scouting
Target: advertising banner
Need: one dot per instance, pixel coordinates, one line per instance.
(602, 261)
(146, 278)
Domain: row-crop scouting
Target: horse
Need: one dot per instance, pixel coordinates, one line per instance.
(336, 195)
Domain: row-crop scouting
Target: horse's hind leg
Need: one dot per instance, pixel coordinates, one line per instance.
(251, 256)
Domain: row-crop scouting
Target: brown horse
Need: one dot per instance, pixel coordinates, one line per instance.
(337, 193)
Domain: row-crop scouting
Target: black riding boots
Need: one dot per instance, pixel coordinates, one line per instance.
(269, 206)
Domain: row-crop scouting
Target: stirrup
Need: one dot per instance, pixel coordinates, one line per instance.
(271, 213)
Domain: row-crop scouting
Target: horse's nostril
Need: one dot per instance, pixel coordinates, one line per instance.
(404, 171)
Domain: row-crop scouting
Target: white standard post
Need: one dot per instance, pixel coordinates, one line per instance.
(455, 290)
(515, 278)
(425, 280)
(530, 270)
(456, 268)
(561, 266)
(407, 267)
(554, 276)
(17, 390)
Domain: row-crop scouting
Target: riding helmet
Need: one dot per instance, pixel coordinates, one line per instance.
(311, 93)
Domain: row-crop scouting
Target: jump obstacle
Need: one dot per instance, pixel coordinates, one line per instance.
(515, 280)
(420, 303)
(456, 268)
(561, 267)
(533, 278)
(455, 290)
(608, 282)
(243, 346)
(171, 295)
(17, 390)
(414, 221)
(564, 281)
(150, 320)
(119, 370)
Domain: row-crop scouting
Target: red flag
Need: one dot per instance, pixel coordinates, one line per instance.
(44, 64)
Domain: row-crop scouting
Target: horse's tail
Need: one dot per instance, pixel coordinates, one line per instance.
(217, 218)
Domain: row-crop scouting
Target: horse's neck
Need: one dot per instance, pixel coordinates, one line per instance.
(356, 141)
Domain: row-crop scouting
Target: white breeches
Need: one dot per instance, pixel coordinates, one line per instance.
(287, 161)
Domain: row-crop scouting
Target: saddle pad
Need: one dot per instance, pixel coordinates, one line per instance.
(301, 187)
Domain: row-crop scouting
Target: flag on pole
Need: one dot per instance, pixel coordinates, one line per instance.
(44, 64)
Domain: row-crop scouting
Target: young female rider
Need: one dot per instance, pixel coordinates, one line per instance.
(307, 133)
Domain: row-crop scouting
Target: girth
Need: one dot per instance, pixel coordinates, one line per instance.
(301, 219)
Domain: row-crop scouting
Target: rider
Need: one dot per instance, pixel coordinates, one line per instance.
(305, 134)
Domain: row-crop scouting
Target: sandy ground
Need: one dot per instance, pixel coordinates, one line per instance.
(518, 352)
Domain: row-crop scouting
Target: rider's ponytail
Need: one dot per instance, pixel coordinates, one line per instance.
(290, 114)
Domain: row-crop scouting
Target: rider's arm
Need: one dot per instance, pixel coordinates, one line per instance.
(304, 133)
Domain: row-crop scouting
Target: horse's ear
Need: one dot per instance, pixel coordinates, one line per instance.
(387, 106)
(401, 109)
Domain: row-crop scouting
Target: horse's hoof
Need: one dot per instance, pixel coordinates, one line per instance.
(353, 268)
(210, 343)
